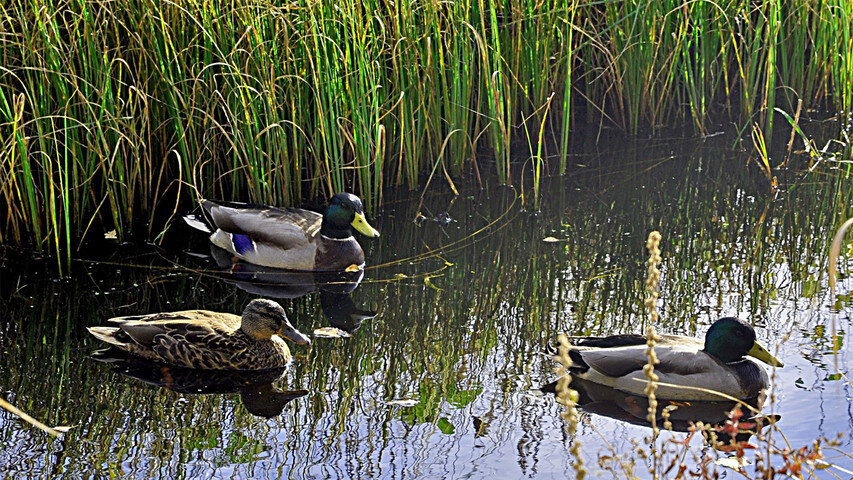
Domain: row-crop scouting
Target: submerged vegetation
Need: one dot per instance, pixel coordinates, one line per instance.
(112, 112)
(460, 336)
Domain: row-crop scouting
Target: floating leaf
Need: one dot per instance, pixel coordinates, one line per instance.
(733, 462)
(403, 402)
(330, 332)
(463, 397)
(111, 235)
(429, 283)
(445, 426)
(550, 239)
(400, 275)
(838, 342)
(352, 268)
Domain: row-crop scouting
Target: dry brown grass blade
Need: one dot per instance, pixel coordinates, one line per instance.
(32, 421)
(834, 252)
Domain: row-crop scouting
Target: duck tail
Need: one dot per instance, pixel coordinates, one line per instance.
(549, 387)
(578, 363)
(106, 334)
(203, 218)
(197, 222)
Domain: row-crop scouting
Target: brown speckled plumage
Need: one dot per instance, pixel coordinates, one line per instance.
(207, 340)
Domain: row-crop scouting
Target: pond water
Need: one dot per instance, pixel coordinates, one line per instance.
(454, 312)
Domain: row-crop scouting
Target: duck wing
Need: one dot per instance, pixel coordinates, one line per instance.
(193, 325)
(200, 346)
(284, 227)
(674, 358)
(613, 361)
(226, 321)
(612, 341)
(633, 339)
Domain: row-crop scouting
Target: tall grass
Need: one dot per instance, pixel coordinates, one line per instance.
(109, 112)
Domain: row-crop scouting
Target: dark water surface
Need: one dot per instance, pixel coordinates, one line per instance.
(461, 332)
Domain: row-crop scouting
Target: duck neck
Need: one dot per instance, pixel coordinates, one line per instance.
(329, 229)
(255, 334)
(725, 353)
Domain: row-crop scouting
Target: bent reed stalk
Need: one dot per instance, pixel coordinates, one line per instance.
(109, 111)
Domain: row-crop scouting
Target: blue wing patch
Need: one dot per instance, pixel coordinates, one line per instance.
(242, 243)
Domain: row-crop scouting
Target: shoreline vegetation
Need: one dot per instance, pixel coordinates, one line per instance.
(111, 113)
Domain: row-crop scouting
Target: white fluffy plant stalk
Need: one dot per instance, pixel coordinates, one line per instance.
(652, 279)
(568, 397)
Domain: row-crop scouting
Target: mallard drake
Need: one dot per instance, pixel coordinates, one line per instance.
(207, 340)
(716, 365)
(288, 238)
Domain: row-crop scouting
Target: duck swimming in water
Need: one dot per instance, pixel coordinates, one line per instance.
(716, 364)
(288, 238)
(207, 340)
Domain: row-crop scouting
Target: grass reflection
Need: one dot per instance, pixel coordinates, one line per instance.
(466, 345)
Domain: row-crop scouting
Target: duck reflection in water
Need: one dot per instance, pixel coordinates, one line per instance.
(729, 423)
(257, 390)
(335, 288)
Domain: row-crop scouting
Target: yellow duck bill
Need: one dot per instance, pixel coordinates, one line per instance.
(360, 224)
(761, 353)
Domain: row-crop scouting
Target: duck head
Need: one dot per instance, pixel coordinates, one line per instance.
(730, 339)
(345, 211)
(264, 318)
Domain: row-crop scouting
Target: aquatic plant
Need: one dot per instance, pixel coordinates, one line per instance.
(111, 114)
(465, 345)
(568, 398)
(652, 280)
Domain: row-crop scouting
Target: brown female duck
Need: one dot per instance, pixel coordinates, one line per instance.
(208, 340)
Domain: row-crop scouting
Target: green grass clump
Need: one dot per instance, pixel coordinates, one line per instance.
(109, 112)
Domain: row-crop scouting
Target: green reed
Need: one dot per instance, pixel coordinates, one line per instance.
(111, 113)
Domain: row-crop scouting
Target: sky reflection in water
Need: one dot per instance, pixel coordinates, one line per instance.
(461, 332)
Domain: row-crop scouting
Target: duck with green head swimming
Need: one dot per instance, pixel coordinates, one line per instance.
(689, 369)
(288, 238)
